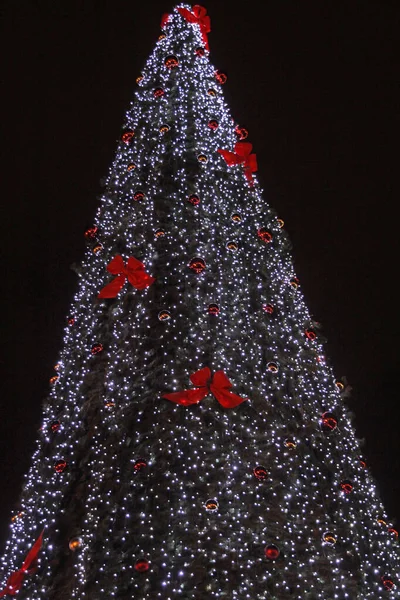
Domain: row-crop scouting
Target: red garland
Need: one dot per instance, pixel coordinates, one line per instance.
(134, 271)
(15, 581)
(164, 20)
(200, 18)
(242, 155)
(218, 385)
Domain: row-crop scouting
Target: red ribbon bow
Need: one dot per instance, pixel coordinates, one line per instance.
(200, 18)
(134, 271)
(242, 155)
(14, 582)
(219, 386)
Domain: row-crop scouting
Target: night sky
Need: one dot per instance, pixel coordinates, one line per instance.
(316, 85)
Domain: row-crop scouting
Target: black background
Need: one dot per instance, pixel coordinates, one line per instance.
(316, 85)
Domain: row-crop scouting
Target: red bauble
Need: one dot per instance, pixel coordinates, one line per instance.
(328, 422)
(90, 233)
(213, 124)
(393, 532)
(97, 348)
(128, 136)
(140, 464)
(268, 308)
(346, 487)
(272, 552)
(387, 583)
(60, 466)
(310, 334)
(213, 309)
(139, 195)
(260, 473)
(200, 52)
(197, 265)
(55, 426)
(363, 463)
(220, 77)
(171, 62)
(241, 132)
(264, 235)
(158, 92)
(193, 199)
(71, 321)
(142, 565)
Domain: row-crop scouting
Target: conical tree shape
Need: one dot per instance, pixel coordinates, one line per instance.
(195, 444)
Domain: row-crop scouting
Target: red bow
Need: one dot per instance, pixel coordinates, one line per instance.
(219, 386)
(14, 582)
(242, 156)
(198, 16)
(134, 271)
(164, 20)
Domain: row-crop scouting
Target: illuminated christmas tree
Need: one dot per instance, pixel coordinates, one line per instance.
(195, 443)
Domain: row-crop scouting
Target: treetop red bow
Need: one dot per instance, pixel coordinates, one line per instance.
(242, 155)
(199, 17)
(164, 20)
(134, 271)
(218, 385)
(14, 582)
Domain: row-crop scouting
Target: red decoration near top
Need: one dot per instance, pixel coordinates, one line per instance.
(268, 308)
(328, 421)
(15, 580)
(140, 464)
(198, 17)
(218, 385)
(134, 271)
(197, 265)
(264, 235)
(394, 532)
(164, 20)
(158, 92)
(310, 334)
(128, 136)
(97, 348)
(346, 487)
(60, 466)
(213, 124)
(71, 321)
(242, 156)
(221, 77)
(241, 132)
(55, 426)
(260, 473)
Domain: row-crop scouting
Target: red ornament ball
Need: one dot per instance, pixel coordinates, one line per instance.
(310, 334)
(220, 77)
(171, 62)
(268, 308)
(97, 348)
(140, 464)
(387, 583)
(264, 235)
(158, 92)
(346, 487)
(273, 367)
(55, 426)
(213, 309)
(60, 466)
(272, 552)
(232, 246)
(393, 532)
(71, 321)
(213, 124)
(139, 195)
(142, 565)
(197, 265)
(200, 52)
(260, 473)
(241, 132)
(90, 233)
(328, 422)
(128, 136)
(194, 200)
(164, 315)
(236, 218)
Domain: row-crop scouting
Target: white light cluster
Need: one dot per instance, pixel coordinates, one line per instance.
(112, 414)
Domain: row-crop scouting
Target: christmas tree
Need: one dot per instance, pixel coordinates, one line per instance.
(195, 442)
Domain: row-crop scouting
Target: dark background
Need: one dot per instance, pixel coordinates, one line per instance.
(316, 85)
